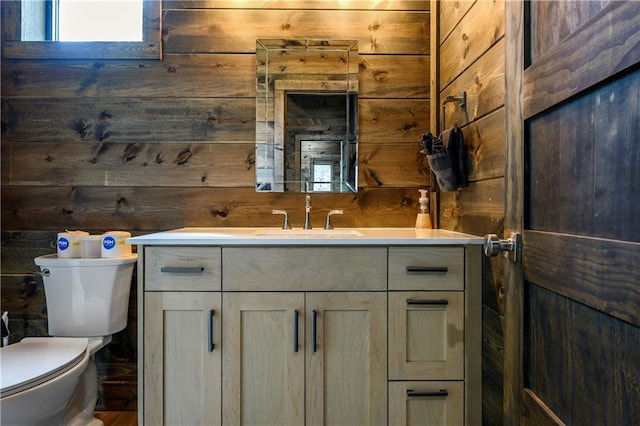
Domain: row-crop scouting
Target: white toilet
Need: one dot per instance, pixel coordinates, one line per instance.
(53, 380)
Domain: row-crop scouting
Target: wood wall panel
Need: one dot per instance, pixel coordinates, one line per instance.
(145, 209)
(298, 4)
(224, 30)
(95, 144)
(451, 12)
(472, 59)
(196, 75)
(474, 35)
(484, 83)
(480, 208)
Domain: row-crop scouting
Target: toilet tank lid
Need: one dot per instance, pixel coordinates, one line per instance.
(52, 260)
(34, 359)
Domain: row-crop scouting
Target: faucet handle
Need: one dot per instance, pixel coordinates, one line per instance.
(328, 224)
(286, 224)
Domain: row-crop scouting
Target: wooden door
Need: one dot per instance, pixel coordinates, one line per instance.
(182, 359)
(263, 359)
(346, 358)
(572, 311)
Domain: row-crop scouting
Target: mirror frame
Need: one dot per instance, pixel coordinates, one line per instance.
(272, 88)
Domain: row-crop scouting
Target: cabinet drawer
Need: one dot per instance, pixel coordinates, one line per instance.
(426, 268)
(426, 335)
(432, 403)
(304, 269)
(182, 268)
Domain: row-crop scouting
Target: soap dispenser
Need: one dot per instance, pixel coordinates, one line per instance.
(423, 221)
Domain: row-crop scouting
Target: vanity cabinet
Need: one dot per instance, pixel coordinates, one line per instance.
(182, 327)
(291, 353)
(182, 366)
(430, 326)
(304, 349)
(310, 334)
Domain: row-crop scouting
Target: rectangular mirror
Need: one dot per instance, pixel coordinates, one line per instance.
(306, 115)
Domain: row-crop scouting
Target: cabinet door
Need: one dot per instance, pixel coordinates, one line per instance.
(426, 403)
(263, 376)
(182, 358)
(426, 335)
(346, 358)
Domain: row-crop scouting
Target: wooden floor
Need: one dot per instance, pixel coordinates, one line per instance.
(118, 418)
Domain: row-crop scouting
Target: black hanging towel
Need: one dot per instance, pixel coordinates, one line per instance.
(447, 163)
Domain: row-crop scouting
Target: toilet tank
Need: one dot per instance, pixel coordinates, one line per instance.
(86, 297)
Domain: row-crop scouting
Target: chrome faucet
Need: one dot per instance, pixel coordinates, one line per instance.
(307, 212)
(328, 225)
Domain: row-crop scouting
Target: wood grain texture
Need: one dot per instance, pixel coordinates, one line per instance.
(471, 38)
(422, 5)
(484, 82)
(590, 141)
(199, 97)
(143, 209)
(492, 367)
(478, 210)
(537, 413)
(514, 211)
(182, 75)
(595, 353)
(560, 20)
(228, 30)
(608, 45)
(600, 273)
(346, 380)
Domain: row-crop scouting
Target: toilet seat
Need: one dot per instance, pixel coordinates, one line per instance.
(35, 360)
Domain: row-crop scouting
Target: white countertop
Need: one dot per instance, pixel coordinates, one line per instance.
(221, 236)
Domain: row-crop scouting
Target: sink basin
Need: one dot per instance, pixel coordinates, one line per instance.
(306, 233)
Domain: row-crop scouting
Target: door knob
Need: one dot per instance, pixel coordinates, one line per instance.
(494, 246)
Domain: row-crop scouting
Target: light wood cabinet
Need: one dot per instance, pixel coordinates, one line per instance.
(182, 358)
(434, 336)
(431, 403)
(290, 353)
(263, 376)
(376, 335)
(346, 354)
(426, 335)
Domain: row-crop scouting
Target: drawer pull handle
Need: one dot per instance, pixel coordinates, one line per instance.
(182, 270)
(295, 331)
(314, 334)
(427, 269)
(412, 393)
(427, 302)
(210, 343)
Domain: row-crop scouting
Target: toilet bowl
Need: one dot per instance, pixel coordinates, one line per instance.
(53, 380)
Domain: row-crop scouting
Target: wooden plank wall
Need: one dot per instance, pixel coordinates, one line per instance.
(471, 56)
(149, 145)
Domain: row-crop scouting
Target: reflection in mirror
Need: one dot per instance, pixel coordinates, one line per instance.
(306, 115)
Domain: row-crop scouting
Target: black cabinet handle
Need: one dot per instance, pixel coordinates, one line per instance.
(210, 343)
(314, 334)
(427, 269)
(427, 302)
(182, 270)
(412, 393)
(295, 331)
